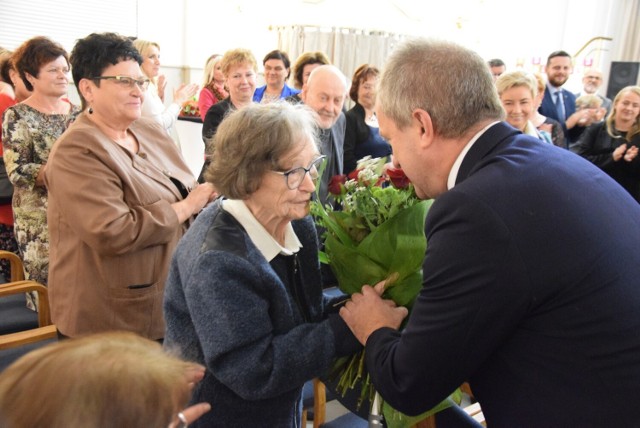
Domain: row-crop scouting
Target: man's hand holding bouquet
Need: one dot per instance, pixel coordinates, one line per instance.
(376, 233)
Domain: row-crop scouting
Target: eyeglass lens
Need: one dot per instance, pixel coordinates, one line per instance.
(296, 176)
(143, 84)
(130, 82)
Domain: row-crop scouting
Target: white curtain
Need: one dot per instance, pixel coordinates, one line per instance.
(317, 39)
(290, 40)
(346, 48)
(627, 42)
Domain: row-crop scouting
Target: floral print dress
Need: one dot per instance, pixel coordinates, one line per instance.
(27, 138)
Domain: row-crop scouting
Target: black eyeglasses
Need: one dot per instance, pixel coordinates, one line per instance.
(294, 177)
(126, 81)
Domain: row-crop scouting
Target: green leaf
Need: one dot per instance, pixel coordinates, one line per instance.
(396, 247)
(323, 257)
(396, 419)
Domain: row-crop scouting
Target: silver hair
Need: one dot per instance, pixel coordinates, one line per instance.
(450, 82)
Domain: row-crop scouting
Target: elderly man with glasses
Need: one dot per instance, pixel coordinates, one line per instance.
(591, 81)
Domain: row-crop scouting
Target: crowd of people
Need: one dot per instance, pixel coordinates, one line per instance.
(525, 293)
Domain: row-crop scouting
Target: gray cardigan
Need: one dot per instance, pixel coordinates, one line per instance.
(226, 308)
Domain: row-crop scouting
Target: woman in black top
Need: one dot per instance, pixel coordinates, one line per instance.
(613, 144)
(362, 136)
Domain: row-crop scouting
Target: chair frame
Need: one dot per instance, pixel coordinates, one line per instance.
(18, 285)
(320, 401)
(17, 267)
(319, 405)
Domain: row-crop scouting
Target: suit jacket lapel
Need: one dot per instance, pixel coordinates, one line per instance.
(485, 144)
(337, 159)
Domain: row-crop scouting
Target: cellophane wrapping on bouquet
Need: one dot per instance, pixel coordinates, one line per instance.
(375, 233)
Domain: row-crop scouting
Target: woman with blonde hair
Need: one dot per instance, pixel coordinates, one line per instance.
(110, 380)
(213, 85)
(517, 91)
(613, 144)
(239, 68)
(153, 105)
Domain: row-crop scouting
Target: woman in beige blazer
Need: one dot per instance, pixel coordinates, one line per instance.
(120, 198)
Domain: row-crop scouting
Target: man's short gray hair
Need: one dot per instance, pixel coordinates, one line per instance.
(450, 82)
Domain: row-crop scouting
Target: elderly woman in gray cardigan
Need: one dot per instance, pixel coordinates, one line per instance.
(244, 294)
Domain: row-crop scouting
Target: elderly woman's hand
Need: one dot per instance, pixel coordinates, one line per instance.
(195, 201)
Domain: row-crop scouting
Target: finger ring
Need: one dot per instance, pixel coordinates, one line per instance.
(183, 421)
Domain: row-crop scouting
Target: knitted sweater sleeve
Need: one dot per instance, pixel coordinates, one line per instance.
(233, 302)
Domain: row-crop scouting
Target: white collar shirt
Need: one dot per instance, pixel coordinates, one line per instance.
(266, 244)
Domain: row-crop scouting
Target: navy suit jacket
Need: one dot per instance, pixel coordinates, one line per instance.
(335, 156)
(548, 108)
(531, 292)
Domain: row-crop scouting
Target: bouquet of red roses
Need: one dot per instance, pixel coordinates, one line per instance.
(376, 233)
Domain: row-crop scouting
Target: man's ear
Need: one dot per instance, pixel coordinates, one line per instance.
(303, 93)
(424, 126)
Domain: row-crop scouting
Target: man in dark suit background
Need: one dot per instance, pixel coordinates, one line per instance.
(497, 67)
(558, 103)
(531, 279)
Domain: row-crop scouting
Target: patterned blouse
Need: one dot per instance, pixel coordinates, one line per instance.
(27, 138)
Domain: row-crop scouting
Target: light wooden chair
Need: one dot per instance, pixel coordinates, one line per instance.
(38, 329)
(318, 404)
(474, 409)
(45, 329)
(17, 267)
(475, 412)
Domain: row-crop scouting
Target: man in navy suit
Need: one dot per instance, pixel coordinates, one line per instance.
(531, 279)
(558, 103)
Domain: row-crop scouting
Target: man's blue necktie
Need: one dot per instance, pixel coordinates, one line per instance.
(560, 106)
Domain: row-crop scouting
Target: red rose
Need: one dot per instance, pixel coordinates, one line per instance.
(398, 178)
(335, 185)
(353, 175)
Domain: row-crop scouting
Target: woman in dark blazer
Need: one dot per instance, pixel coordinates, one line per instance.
(613, 144)
(362, 136)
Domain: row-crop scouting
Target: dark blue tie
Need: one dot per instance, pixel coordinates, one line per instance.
(560, 106)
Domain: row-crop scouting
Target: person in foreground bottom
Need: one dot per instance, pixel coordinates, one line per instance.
(104, 380)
